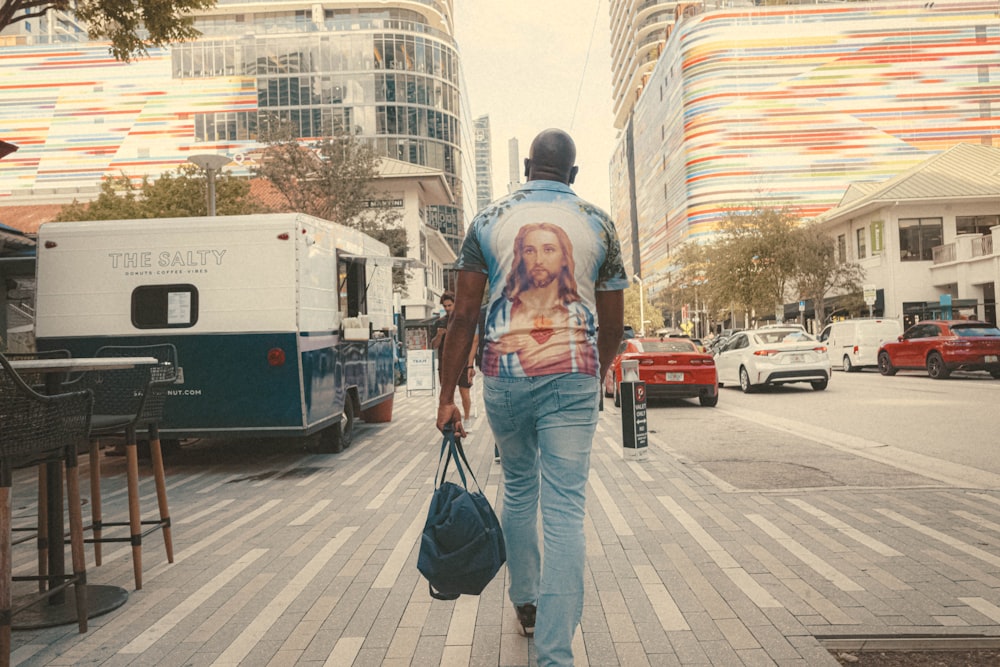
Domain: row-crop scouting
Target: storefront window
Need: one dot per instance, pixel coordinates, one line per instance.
(918, 237)
(976, 224)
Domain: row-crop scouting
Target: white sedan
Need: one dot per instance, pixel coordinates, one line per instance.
(774, 355)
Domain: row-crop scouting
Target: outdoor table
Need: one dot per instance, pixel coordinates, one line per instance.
(60, 609)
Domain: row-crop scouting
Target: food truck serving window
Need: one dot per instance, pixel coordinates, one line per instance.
(164, 306)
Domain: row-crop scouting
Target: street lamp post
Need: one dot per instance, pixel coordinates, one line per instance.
(642, 306)
(211, 163)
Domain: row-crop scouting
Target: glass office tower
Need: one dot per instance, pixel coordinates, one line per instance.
(484, 163)
(638, 33)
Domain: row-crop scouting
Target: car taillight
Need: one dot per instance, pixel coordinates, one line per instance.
(276, 357)
(821, 348)
(855, 349)
(703, 362)
(766, 353)
(958, 343)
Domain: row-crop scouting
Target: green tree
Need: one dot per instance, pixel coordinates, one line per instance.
(818, 272)
(686, 284)
(132, 26)
(334, 178)
(651, 313)
(753, 258)
(178, 194)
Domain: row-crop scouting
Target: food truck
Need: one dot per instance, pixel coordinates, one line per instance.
(283, 323)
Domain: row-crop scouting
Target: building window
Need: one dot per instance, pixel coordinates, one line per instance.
(862, 249)
(975, 224)
(842, 248)
(918, 237)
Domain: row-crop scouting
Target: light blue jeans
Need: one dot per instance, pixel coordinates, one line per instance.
(544, 427)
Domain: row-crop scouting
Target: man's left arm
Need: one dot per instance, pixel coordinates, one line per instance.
(611, 326)
(458, 345)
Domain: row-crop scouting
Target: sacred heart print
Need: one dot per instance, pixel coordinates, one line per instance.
(542, 336)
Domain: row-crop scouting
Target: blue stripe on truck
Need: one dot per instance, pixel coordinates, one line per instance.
(229, 386)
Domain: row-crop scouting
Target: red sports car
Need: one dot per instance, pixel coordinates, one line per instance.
(943, 346)
(671, 368)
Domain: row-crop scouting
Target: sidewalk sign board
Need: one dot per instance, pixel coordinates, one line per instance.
(420, 371)
(633, 399)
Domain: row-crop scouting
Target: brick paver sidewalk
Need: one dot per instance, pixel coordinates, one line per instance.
(286, 557)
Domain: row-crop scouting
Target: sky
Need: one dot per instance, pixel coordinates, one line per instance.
(525, 65)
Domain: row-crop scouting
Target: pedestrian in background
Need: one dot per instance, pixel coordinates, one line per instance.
(554, 267)
(465, 377)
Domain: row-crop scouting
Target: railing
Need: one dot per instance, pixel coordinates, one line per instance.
(982, 246)
(944, 253)
(665, 17)
(302, 24)
(648, 3)
(20, 314)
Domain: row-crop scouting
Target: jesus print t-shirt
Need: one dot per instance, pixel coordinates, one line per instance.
(546, 252)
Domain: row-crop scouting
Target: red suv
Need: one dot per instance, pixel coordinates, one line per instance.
(943, 346)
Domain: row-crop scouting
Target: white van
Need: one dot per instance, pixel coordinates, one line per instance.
(853, 344)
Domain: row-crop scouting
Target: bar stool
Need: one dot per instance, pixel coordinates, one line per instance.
(124, 402)
(39, 429)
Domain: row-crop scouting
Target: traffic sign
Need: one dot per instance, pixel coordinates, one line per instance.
(869, 292)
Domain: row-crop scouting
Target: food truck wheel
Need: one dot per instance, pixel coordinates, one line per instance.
(346, 427)
(337, 438)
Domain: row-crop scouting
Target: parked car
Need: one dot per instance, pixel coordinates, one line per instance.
(671, 368)
(772, 356)
(854, 344)
(720, 340)
(943, 346)
(783, 325)
(698, 343)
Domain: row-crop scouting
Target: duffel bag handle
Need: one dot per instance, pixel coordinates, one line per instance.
(454, 449)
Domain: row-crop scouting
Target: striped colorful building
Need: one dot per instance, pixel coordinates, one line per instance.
(388, 73)
(789, 104)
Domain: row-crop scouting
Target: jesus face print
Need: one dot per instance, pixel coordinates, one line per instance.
(542, 257)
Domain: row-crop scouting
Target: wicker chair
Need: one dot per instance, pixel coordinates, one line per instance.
(36, 429)
(49, 384)
(43, 383)
(124, 402)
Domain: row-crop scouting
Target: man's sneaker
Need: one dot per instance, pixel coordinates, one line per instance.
(526, 618)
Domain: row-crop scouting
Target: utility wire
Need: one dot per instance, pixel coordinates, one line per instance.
(583, 74)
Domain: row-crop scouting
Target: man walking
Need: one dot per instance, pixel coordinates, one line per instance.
(437, 343)
(553, 263)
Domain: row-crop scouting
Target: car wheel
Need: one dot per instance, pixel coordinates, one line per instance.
(848, 366)
(709, 401)
(745, 380)
(885, 366)
(935, 366)
(819, 385)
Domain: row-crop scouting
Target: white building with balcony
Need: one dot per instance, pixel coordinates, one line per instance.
(932, 231)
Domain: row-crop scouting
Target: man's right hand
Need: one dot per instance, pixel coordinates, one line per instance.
(448, 413)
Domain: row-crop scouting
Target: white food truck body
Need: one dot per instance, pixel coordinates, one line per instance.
(283, 322)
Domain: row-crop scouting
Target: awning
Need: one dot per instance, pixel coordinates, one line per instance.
(381, 259)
